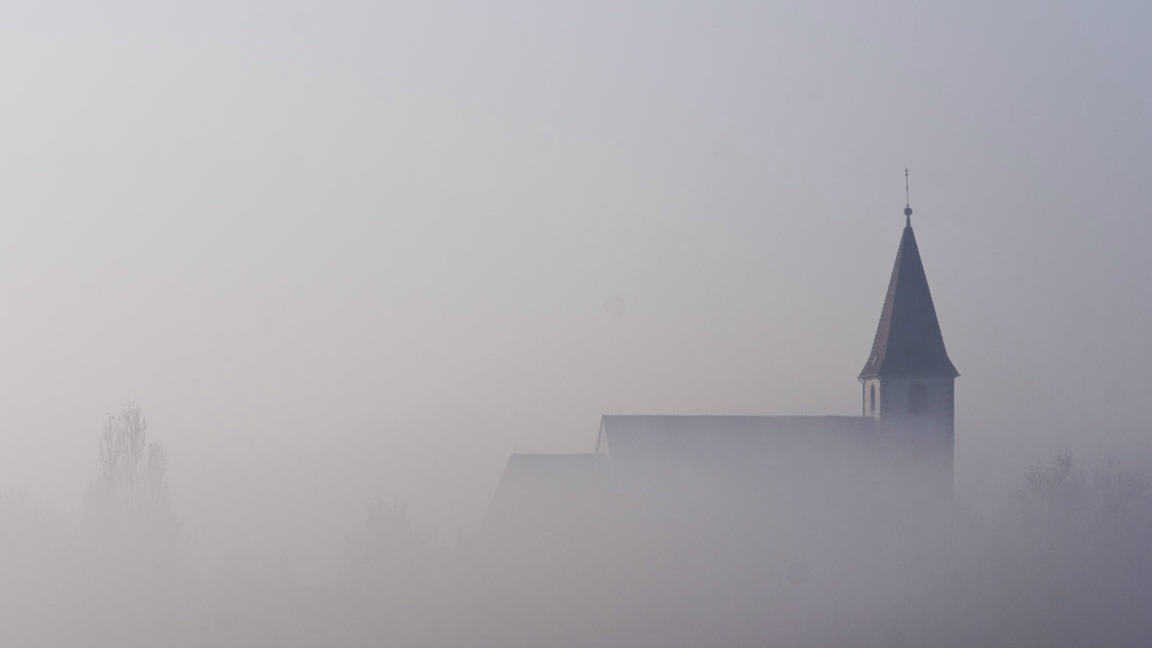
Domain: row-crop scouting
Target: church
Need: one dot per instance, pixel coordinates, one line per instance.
(778, 469)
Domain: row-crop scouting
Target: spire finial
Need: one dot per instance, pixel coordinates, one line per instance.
(907, 201)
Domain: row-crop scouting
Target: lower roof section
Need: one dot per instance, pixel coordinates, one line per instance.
(537, 487)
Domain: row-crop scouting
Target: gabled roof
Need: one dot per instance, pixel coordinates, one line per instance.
(908, 339)
(659, 437)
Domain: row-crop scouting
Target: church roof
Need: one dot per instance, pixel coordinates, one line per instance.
(908, 339)
(663, 436)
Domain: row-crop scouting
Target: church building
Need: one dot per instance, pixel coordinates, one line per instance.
(899, 448)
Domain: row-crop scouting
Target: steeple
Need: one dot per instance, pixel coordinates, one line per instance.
(908, 383)
(908, 341)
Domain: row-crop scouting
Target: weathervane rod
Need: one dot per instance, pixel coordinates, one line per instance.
(907, 201)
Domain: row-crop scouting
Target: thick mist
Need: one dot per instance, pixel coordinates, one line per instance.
(706, 553)
(338, 261)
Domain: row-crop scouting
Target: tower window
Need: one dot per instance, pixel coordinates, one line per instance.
(917, 398)
(872, 399)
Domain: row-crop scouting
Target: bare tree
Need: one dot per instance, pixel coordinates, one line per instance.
(387, 542)
(128, 505)
(131, 468)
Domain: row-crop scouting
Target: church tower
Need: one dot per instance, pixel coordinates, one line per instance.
(908, 380)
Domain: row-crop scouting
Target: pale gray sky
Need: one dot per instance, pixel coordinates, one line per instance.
(339, 247)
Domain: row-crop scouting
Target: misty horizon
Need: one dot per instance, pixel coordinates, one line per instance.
(347, 258)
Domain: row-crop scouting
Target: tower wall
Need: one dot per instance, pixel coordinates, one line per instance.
(917, 426)
(919, 403)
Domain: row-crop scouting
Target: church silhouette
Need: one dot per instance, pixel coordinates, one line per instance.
(894, 458)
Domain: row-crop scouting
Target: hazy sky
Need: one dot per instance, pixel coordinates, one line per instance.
(334, 248)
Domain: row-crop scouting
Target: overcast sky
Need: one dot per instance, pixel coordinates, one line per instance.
(335, 248)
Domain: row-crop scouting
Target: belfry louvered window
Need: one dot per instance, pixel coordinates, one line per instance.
(917, 398)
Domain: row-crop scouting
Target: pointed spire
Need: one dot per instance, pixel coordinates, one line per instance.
(908, 340)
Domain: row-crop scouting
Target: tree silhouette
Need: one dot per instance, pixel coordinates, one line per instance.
(127, 509)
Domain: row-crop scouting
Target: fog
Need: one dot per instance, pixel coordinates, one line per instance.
(346, 258)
